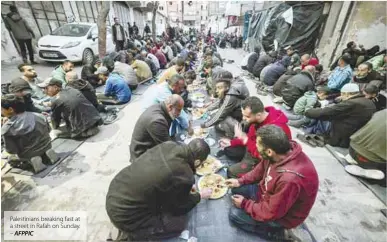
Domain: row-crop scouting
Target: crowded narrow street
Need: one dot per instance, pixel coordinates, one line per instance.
(81, 181)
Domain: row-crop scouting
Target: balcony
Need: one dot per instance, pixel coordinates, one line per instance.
(142, 6)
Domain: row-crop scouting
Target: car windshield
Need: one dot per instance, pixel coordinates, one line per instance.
(72, 30)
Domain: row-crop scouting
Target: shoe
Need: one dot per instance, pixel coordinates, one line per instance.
(307, 139)
(296, 123)
(350, 160)
(298, 234)
(366, 173)
(52, 156)
(37, 164)
(278, 100)
(110, 118)
(320, 141)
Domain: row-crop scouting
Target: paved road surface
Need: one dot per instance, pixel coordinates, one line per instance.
(345, 210)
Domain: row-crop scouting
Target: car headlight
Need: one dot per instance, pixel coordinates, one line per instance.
(71, 44)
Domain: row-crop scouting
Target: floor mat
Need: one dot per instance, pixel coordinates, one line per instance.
(339, 154)
(63, 147)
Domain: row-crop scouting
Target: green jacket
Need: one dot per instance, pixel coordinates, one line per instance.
(305, 102)
(370, 141)
(60, 75)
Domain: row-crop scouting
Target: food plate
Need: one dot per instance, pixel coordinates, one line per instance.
(200, 133)
(198, 97)
(210, 141)
(197, 113)
(216, 183)
(209, 166)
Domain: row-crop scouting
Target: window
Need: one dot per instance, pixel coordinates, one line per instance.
(161, 8)
(201, 17)
(170, 3)
(202, 7)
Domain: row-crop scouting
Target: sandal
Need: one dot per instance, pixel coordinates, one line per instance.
(307, 139)
(319, 140)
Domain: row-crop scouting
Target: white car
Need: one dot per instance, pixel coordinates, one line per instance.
(75, 42)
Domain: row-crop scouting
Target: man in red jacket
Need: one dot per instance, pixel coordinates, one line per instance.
(286, 190)
(256, 116)
(306, 60)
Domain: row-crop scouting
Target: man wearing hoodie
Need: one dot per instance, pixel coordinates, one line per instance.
(22, 33)
(296, 86)
(277, 196)
(230, 96)
(60, 71)
(255, 116)
(26, 135)
(275, 70)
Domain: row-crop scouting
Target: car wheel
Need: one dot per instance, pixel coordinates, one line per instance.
(88, 57)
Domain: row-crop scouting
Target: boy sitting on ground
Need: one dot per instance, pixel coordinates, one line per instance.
(372, 92)
(26, 135)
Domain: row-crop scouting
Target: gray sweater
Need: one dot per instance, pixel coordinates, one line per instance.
(18, 26)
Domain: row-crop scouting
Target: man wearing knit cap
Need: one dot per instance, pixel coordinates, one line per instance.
(338, 122)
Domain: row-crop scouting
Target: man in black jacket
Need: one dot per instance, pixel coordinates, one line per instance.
(338, 122)
(21, 88)
(157, 208)
(253, 59)
(88, 71)
(152, 127)
(365, 74)
(81, 117)
(263, 61)
(135, 29)
(118, 35)
(230, 97)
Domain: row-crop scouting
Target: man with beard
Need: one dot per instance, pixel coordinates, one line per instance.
(88, 71)
(230, 96)
(157, 209)
(264, 61)
(60, 71)
(243, 147)
(152, 127)
(40, 100)
(158, 94)
(365, 74)
(278, 195)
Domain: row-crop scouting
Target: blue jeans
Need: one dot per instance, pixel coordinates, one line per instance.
(267, 230)
(319, 127)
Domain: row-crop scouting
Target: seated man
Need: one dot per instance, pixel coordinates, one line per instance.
(149, 62)
(306, 60)
(230, 96)
(152, 127)
(81, 117)
(171, 71)
(296, 86)
(255, 116)
(160, 56)
(278, 195)
(157, 210)
(367, 149)
(253, 59)
(338, 122)
(275, 71)
(26, 135)
(85, 88)
(167, 51)
(263, 61)
(295, 60)
(117, 90)
(40, 100)
(341, 75)
(152, 57)
(127, 72)
(372, 92)
(160, 92)
(88, 71)
(60, 71)
(143, 71)
(365, 74)
(21, 88)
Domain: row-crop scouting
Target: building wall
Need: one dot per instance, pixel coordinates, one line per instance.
(362, 22)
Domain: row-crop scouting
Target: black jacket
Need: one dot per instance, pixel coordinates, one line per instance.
(115, 32)
(230, 105)
(147, 29)
(87, 74)
(77, 112)
(372, 76)
(135, 29)
(296, 86)
(158, 182)
(346, 118)
(261, 63)
(86, 89)
(251, 61)
(151, 129)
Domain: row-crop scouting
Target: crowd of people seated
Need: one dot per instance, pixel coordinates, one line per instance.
(329, 105)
